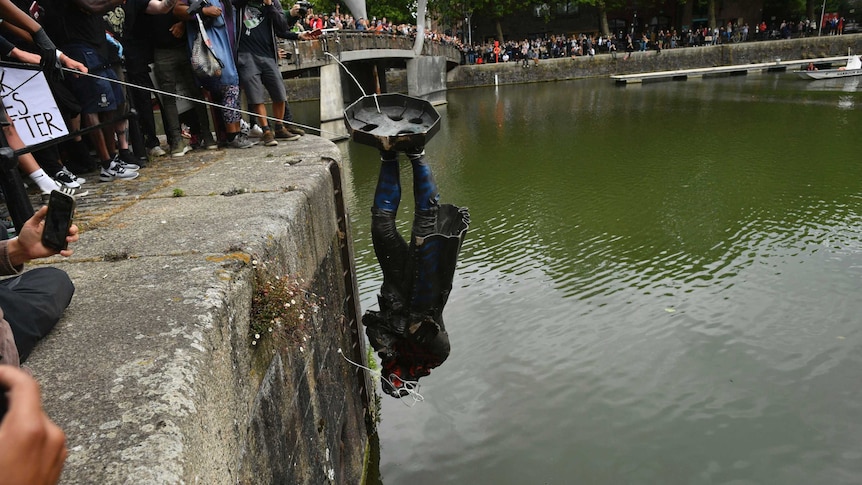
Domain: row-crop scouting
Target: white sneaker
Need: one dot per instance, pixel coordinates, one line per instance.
(116, 171)
(156, 152)
(68, 179)
(180, 149)
(255, 132)
(66, 190)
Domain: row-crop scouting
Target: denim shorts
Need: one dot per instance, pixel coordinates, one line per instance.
(94, 95)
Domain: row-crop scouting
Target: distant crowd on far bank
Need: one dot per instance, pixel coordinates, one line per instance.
(530, 51)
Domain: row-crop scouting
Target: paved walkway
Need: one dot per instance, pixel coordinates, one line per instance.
(147, 367)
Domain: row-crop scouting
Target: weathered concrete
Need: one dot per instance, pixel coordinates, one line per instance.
(153, 372)
(426, 79)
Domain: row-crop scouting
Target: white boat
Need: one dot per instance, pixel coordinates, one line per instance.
(853, 68)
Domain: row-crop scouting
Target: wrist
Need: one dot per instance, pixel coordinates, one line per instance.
(15, 252)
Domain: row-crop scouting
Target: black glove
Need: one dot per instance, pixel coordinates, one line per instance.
(50, 64)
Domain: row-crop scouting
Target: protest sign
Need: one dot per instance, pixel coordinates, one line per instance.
(30, 105)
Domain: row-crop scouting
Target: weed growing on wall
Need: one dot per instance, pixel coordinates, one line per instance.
(279, 305)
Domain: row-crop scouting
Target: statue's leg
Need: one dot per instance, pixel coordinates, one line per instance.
(387, 195)
(425, 193)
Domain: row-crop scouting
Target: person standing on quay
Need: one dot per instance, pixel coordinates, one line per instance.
(257, 60)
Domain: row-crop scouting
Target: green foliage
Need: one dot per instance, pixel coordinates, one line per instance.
(396, 11)
(179, 193)
(278, 304)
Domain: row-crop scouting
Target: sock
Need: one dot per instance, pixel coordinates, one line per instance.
(265, 128)
(231, 136)
(46, 184)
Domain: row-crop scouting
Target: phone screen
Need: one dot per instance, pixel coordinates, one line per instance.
(61, 208)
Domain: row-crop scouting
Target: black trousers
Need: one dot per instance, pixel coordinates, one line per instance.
(32, 303)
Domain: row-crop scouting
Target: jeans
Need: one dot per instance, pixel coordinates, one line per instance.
(173, 73)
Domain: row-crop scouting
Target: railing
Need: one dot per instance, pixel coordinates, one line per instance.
(311, 54)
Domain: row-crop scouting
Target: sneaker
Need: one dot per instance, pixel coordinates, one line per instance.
(65, 190)
(283, 134)
(268, 139)
(179, 149)
(125, 165)
(156, 152)
(67, 179)
(256, 131)
(129, 158)
(244, 127)
(116, 171)
(241, 141)
(295, 130)
(209, 144)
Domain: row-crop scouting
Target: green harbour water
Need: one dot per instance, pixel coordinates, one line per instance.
(660, 285)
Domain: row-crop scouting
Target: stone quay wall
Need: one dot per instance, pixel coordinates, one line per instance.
(160, 374)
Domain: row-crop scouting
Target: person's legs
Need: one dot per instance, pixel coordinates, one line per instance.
(179, 62)
(33, 303)
(27, 163)
(166, 75)
(231, 117)
(141, 101)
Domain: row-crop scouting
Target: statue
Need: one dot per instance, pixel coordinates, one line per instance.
(408, 332)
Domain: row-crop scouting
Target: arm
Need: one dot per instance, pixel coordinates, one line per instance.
(286, 33)
(181, 11)
(32, 447)
(28, 245)
(156, 7)
(12, 14)
(274, 11)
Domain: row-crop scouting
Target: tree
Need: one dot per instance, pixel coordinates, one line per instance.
(496, 10)
(396, 11)
(603, 6)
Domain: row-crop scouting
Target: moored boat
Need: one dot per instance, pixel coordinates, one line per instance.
(853, 68)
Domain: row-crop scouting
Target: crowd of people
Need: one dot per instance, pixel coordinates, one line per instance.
(551, 46)
(116, 52)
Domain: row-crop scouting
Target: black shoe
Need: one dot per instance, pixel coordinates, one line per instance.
(129, 158)
(79, 160)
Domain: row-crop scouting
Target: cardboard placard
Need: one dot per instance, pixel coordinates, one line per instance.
(30, 105)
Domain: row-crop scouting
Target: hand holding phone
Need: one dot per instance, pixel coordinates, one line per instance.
(61, 209)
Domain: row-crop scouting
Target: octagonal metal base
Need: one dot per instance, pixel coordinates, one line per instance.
(391, 121)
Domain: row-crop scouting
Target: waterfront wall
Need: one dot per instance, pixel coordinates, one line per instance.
(159, 373)
(604, 65)
(670, 59)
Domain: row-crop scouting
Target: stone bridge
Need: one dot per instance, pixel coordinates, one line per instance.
(367, 56)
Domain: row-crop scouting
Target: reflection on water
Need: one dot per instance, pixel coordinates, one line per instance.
(660, 286)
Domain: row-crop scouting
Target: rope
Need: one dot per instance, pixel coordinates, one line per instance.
(196, 100)
(412, 387)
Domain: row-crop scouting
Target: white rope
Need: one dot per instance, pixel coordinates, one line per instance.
(411, 387)
(196, 100)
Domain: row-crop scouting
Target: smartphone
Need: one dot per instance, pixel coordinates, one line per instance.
(61, 208)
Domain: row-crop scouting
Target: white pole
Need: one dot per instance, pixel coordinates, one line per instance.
(822, 14)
